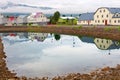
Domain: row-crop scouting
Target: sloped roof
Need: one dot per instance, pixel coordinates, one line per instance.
(86, 16)
(117, 15)
(114, 10)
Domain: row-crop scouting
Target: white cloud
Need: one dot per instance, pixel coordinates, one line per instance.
(66, 6)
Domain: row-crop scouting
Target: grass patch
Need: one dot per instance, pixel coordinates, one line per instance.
(79, 27)
(118, 28)
(107, 28)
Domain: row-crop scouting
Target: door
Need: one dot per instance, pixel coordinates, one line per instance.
(105, 22)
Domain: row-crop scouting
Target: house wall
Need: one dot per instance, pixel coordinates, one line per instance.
(21, 20)
(116, 21)
(102, 17)
(38, 36)
(3, 20)
(103, 43)
(90, 22)
(40, 18)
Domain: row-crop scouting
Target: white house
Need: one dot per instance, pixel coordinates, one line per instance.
(37, 19)
(86, 19)
(3, 19)
(102, 16)
(21, 20)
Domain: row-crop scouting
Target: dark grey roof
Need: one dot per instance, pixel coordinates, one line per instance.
(86, 16)
(117, 15)
(86, 39)
(114, 10)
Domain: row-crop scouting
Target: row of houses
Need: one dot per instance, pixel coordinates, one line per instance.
(35, 19)
(102, 16)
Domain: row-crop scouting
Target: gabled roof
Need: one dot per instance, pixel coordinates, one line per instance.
(35, 14)
(86, 16)
(114, 10)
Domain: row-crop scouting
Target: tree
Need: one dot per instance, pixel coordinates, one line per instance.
(57, 36)
(56, 16)
(54, 19)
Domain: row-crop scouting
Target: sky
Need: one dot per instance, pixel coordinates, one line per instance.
(66, 6)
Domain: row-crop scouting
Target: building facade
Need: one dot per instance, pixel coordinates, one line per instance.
(37, 19)
(37, 36)
(86, 19)
(102, 16)
(3, 19)
(21, 20)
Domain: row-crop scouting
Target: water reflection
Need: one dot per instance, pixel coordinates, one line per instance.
(41, 54)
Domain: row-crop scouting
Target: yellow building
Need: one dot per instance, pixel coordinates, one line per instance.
(102, 16)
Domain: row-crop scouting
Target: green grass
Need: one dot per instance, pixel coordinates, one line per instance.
(119, 28)
(107, 28)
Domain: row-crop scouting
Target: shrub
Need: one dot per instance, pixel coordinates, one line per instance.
(80, 27)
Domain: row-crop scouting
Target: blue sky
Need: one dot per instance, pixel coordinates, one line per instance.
(73, 6)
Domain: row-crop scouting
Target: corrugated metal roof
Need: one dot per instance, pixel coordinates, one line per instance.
(67, 17)
(114, 10)
(86, 16)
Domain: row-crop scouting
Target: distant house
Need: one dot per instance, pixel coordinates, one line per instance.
(3, 19)
(86, 19)
(37, 19)
(21, 20)
(102, 16)
(11, 20)
(67, 20)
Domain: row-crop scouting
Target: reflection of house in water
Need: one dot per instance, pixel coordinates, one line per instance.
(105, 44)
(13, 38)
(23, 35)
(38, 36)
(86, 39)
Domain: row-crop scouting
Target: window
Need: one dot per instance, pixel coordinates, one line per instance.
(109, 21)
(102, 41)
(107, 16)
(98, 21)
(102, 16)
(114, 21)
(97, 16)
(103, 10)
(103, 21)
(104, 46)
(97, 40)
(100, 11)
(107, 41)
(118, 21)
(117, 15)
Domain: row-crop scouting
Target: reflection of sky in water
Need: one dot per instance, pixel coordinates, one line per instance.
(33, 58)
